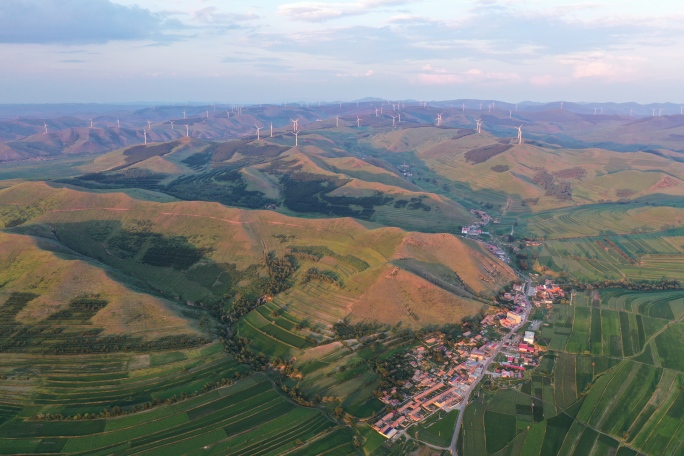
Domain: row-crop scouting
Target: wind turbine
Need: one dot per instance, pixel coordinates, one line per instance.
(463, 107)
(45, 125)
(376, 112)
(118, 125)
(91, 123)
(393, 119)
(171, 124)
(480, 106)
(258, 135)
(399, 117)
(271, 129)
(358, 121)
(145, 135)
(207, 114)
(295, 123)
(187, 130)
(439, 119)
(520, 134)
(561, 105)
(654, 110)
(630, 112)
(337, 121)
(596, 110)
(148, 125)
(296, 134)
(490, 108)
(510, 113)
(479, 125)
(183, 114)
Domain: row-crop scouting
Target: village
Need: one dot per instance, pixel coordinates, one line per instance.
(444, 371)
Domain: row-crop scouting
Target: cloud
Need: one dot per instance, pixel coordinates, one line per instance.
(211, 16)
(356, 75)
(78, 22)
(600, 65)
(441, 77)
(320, 12)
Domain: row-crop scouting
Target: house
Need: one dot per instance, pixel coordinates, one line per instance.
(515, 317)
(529, 337)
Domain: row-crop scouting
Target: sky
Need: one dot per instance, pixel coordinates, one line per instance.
(268, 51)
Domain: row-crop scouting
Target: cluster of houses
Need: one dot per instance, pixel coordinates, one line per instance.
(444, 372)
(547, 293)
(519, 354)
(496, 250)
(405, 170)
(475, 229)
(435, 385)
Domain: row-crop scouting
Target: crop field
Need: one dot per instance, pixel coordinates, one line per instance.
(638, 257)
(595, 220)
(615, 383)
(247, 419)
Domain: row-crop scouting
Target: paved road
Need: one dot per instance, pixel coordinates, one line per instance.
(454, 439)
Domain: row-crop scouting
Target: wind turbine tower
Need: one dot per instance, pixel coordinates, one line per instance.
(145, 135)
(520, 140)
(358, 121)
(148, 125)
(187, 130)
(271, 129)
(439, 119)
(295, 123)
(183, 114)
(296, 134)
(479, 125)
(337, 121)
(561, 105)
(393, 121)
(258, 135)
(510, 113)
(118, 125)
(45, 125)
(171, 124)
(91, 123)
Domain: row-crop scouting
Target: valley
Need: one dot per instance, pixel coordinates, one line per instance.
(363, 292)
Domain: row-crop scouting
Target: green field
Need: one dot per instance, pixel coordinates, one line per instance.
(637, 257)
(613, 382)
(247, 418)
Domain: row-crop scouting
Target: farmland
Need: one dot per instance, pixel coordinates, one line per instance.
(249, 297)
(147, 404)
(637, 257)
(612, 380)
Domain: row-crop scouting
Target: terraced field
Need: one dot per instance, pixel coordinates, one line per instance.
(595, 220)
(637, 257)
(164, 403)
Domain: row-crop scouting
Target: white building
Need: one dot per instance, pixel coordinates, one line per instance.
(529, 337)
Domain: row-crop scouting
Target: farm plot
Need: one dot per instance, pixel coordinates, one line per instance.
(263, 419)
(637, 257)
